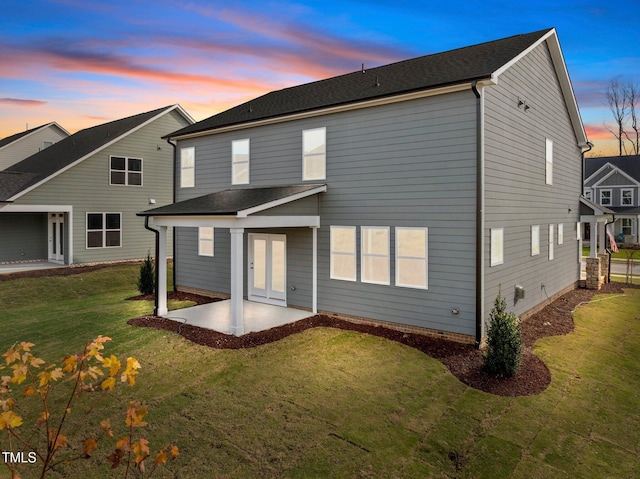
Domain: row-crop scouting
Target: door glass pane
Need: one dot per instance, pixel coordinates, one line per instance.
(259, 263)
(277, 266)
(61, 229)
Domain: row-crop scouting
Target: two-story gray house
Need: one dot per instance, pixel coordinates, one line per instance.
(76, 200)
(614, 182)
(406, 194)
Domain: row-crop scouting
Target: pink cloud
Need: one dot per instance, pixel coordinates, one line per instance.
(20, 102)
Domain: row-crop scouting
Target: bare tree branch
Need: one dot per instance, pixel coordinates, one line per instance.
(617, 101)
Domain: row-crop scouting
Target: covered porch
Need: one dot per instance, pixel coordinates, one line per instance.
(597, 264)
(236, 210)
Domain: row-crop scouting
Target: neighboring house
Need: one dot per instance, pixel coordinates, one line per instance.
(614, 182)
(17, 147)
(75, 201)
(407, 194)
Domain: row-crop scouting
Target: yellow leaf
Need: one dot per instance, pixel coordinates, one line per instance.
(36, 362)
(56, 374)
(113, 364)
(29, 391)
(89, 445)
(57, 441)
(45, 377)
(141, 450)
(135, 414)
(44, 415)
(19, 373)
(161, 458)
(7, 404)
(130, 371)
(174, 452)
(12, 355)
(26, 346)
(70, 364)
(9, 419)
(108, 383)
(123, 443)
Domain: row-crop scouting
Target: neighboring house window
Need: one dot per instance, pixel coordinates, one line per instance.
(375, 254)
(549, 161)
(205, 240)
(46, 144)
(343, 253)
(314, 149)
(187, 167)
(551, 228)
(561, 233)
(125, 171)
(605, 197)
(411, 257)
(104, 230)
(240, 162)
(497, 246)
(587, 193)
(535, 240)
(627, 226)
(626, 198)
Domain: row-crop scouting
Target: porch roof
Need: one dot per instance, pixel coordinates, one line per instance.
(237, 202)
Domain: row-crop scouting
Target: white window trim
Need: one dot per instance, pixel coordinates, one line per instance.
(126, 171)
(425, 258)
(332, 274)
(602, 203)
(549, 161)
(622, 191)
(202, 241)
(183, 169)
(535, 240)
(364, 255)
(305, 177)
(104, 229)
(629, 225)
(587, 193)
(497, 246)
(235, 163)
(551, 242)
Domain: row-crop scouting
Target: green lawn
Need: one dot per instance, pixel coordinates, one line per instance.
(337, 404)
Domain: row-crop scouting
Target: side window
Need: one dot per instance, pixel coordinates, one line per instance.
(626, 197)
(535, 240)
(551, 241)
(343, 253)
(240, 162)
(205, 241)
(187, 167)
(549, 162)
(412, 257)
(104, 230)
(314, 149)
(375, 254)
(605, 197)
(497, 246)
(125, 171)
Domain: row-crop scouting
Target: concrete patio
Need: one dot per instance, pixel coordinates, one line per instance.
(257, 316)
(28, 266)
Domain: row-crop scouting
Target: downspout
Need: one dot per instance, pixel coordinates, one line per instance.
(173, 232)
(613, 220)
(479, 214)
(155, 287)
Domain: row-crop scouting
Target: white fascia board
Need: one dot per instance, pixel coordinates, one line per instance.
(330, 110)
(235, 222)
(13, 208)
(281, 201)
(90, 154)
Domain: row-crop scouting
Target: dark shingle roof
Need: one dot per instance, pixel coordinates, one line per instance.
(423, 73)
(229, 202)
(629, 164)
(43, 164)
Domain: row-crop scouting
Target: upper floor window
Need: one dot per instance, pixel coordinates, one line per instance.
(535, 240)
(314, 149)
(587, 193)
(375, 254)
(626, 198)
(125, 171)
(605, 197)
(497, 246)
(240, 162)
(187, 167)
(549, 162)
(104, 230)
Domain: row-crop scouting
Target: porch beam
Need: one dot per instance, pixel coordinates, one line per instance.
(239, 223)
(237, 268)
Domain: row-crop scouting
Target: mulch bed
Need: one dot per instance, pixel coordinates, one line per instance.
(464, 361)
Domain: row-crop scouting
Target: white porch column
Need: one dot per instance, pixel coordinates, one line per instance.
(603, 237)
(161, 267)
(314, 300)
(237, 274)
(593, 228)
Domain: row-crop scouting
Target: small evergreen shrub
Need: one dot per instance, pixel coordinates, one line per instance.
(146, 281)
(504, 341)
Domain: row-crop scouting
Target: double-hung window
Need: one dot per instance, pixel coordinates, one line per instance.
(187, 167)
(605, 197)
(240, 162)
(535, 240)
(497, 246)
(375, 254)
(626, 197)
(104, 230)
(314, 154)
(205, 241)
(125, 171)
(343, 253)
(411, 257)
(551, 242)
(549, 162)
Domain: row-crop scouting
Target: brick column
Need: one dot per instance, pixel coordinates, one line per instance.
(604, 266)
(593, 273)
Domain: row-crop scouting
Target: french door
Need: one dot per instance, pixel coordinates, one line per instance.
(56, 237)
(267, 275)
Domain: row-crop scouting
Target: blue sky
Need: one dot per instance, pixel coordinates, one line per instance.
(82, 63)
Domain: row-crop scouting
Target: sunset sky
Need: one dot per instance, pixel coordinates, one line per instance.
(82, 63)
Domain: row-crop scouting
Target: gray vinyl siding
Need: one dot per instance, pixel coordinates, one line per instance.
(28, 145)
(86, 187)
(516, 194)
(403, 164)
(23, 237)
